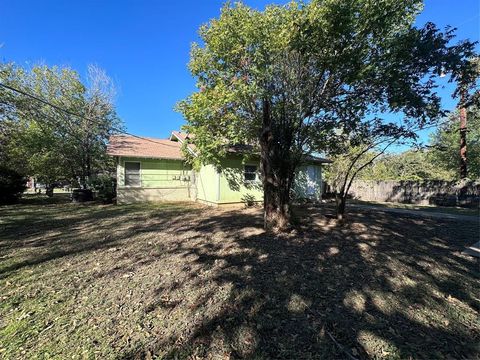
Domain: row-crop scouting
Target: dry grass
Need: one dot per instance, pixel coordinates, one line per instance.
(183, 281)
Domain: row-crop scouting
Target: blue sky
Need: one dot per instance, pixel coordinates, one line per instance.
(144, 45)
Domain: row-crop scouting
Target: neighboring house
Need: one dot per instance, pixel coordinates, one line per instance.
(150, 169)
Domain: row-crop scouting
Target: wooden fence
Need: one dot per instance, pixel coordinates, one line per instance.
(434, 192)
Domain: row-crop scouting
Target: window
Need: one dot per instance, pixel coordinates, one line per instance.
(250, 172)
(132, 174)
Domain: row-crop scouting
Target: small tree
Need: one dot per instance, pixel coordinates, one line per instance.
(357, 150)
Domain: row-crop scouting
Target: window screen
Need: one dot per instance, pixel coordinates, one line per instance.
(250, 172)
(132, 173)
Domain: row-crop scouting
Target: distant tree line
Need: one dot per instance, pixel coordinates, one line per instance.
(438, 160)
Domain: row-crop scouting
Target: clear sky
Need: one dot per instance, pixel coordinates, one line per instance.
(144, 45)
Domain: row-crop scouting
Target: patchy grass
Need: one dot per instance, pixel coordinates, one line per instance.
(184, 281)
(427, 208)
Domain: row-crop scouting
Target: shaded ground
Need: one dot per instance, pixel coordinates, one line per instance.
(183, 281)
(425, 209)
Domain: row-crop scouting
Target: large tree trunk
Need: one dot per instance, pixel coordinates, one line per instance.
(340, 200)
(277, 179)
(276, 204)
(49, 190)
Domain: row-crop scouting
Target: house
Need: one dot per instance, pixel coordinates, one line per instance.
(150, 169)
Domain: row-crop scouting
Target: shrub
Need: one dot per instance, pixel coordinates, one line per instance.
(106, 187)
(12, 185)
(248, 200)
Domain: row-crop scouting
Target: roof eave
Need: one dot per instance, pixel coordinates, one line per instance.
(147, 157)
(175, 135)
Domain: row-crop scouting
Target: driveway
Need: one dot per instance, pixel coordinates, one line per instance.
(416, 213)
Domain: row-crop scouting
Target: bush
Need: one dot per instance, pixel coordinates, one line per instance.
(82, 195)
(12, 185)
(248, 200)
(106, 188)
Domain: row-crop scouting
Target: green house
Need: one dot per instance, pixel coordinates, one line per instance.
(150, 169)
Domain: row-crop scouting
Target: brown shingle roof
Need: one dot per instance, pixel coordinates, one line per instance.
(317, 159)
(126, 145)
(243, 148)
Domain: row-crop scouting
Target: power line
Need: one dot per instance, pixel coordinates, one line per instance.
(71, 113)
(41, 100)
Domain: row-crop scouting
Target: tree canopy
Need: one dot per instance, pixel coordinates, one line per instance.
(64, 137)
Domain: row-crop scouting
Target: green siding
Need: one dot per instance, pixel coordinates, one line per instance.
(157, 173)
(206, 181)
(226, 186)
(233, 187)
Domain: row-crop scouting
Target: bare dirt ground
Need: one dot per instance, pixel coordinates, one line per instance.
(184, 281)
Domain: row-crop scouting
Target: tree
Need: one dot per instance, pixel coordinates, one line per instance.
(12, 185)
(356, 150)
(283, 79)
(413, 164)
(11, 155)
(99, 121)
(445, 143)
(41, 146)
(64, 136)
(361, 155)
(469, 94)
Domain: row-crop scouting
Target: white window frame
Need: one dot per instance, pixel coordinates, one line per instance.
(125, 174)
(249, 172)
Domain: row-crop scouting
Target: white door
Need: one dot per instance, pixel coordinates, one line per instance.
(311, 180)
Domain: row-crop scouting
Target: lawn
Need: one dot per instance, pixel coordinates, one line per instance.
(185, 281)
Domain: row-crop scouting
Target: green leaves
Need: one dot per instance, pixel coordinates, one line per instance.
(326, 72)
(50, 143)
(445, 144)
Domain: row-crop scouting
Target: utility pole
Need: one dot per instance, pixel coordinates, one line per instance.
(463, 136)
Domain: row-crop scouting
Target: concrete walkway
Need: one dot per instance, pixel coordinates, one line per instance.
(473, 250)
(417, 213)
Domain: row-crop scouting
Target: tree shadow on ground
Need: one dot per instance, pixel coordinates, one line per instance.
(380, 286)
(179, 281)
(60, 228)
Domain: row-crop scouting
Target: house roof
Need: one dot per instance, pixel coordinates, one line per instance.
(145, 147)
(318, 159)
(180, 135)
(242, 148)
